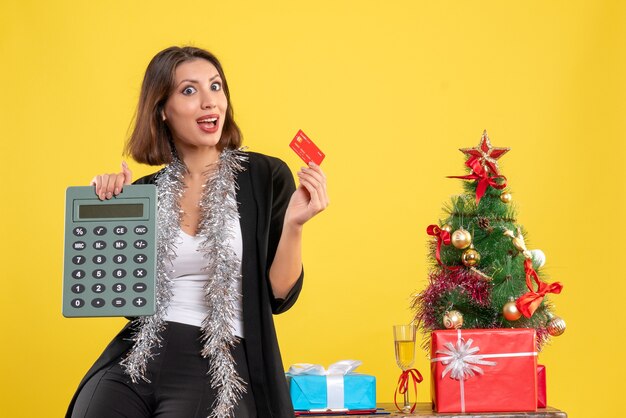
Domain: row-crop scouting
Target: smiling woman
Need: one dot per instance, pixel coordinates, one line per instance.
(229, 255)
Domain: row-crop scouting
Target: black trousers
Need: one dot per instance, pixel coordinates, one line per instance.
(179, 384)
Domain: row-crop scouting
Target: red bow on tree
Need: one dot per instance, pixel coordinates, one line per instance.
(442, 235)
(528, 303)
(482, 175)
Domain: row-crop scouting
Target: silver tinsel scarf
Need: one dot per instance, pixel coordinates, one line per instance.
(218, 208)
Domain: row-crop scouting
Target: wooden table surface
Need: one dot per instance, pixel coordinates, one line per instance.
(424, 410)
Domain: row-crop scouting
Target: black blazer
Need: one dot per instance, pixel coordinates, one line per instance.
(265, 187)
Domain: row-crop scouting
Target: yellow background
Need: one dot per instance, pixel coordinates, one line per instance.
(389, 90)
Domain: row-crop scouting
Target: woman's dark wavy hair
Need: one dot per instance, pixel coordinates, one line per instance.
(151, 141)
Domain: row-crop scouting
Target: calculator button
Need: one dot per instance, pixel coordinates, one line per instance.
(98, 288)
(119, 259)
(99, 245)
(78, 288)
(119, 244)
(141, 229)
(119, 287)
(140, 244)
(118, 302)
(79, 245)
(78, 259)
(78, 274)
(100, 231)
(119, 273)
(99, 259)
(140, 287)
(79, 231)
(139, 302)
(97, 303)
(120, 230)
(98, 274)
(77, 303)
(139, 273)
(140, 258)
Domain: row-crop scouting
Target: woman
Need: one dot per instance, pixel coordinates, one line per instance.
(229, 255)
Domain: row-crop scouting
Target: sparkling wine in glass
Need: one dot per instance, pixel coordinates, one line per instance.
(404, 338)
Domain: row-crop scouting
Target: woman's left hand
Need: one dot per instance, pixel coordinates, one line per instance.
(310, 198)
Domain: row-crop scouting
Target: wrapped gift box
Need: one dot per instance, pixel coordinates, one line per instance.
(311, 392)
(478, 370)
(313, 388)
(542, 396)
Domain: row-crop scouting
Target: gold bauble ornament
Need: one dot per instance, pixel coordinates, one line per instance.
(461, 238)
(556, 326)
(447, 228)
(510, 311)
(453, 320)
(506, 197)
(470, 257)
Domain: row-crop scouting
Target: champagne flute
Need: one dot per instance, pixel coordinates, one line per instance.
(404, 338)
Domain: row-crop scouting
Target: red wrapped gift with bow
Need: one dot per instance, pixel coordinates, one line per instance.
(484, 370)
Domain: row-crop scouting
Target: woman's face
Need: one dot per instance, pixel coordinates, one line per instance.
(196, 109)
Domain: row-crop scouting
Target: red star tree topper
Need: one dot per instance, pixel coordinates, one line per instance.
(485, 154)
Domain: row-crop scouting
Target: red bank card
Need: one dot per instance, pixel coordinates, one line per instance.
(306, 149)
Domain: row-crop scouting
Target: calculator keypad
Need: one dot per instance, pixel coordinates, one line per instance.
(121, 263)
(110, 266)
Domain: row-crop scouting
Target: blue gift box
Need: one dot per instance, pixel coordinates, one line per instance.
(310, 391)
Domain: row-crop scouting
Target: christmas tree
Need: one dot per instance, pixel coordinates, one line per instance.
(482, 274)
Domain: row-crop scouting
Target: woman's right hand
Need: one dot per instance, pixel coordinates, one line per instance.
(109, 185)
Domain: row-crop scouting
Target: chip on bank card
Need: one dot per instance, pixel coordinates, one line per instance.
(306, 149)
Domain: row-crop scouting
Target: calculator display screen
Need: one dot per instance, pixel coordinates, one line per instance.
(125, 210)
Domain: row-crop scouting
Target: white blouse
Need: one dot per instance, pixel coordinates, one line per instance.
(188, 304)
